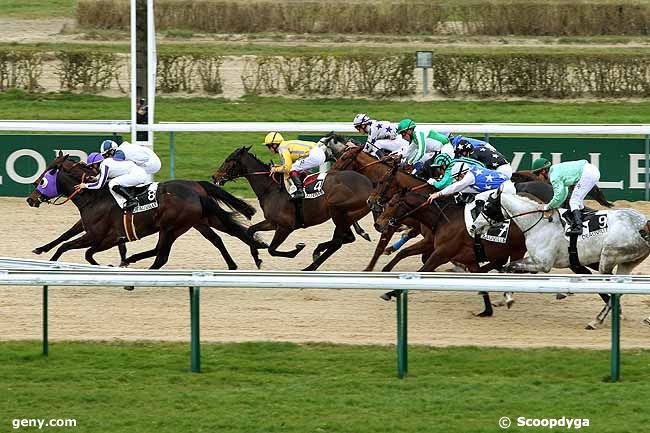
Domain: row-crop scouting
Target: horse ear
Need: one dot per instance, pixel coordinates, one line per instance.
(60, 154)
(248, 148)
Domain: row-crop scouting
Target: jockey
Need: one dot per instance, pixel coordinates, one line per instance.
(121, 174)
(297, 157)
(420, 144)
(445, 163)
(141, 155)
(94, 159)
(381, 135)
(491, 158)
(472, 179)
(580, 173)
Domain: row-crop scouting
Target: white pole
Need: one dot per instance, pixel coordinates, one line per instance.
(151, 70)
(133, 72)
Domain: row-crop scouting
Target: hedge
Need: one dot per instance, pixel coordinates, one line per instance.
(489, 17)
(566, 75)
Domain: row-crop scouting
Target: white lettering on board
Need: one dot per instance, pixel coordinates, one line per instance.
(595, 160)
(11, 160)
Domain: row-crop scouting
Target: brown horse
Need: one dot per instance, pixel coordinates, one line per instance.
(527, 176)
(352, 157)
(452, 241)
(181, 205)
(343, 201)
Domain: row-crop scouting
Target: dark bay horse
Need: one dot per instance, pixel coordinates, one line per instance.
(344, 202)
(527, 176)
(452, 241)
(181, 205)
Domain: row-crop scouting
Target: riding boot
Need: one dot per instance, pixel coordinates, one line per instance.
(576, 225)
(297, 182)
(131, 202)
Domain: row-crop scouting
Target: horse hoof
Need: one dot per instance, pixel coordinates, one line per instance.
(499, 304)
(484, 313)
(315, 257)
(300, 246)
(510, 303)
(258, 263)
(37, 251)
(388, 251)
(560, 296)
(366, 236)
(646, 321)
(124, 264)
(387, 296)
(129, 288)
(591, 326)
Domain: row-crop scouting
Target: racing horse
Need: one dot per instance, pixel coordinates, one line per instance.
(452, 241)
(527, 176)
(181, 205)
(622, 241)
(343, 201)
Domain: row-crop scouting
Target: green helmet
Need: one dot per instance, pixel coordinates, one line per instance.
(441, 160)
(540, 164)
(405, 124)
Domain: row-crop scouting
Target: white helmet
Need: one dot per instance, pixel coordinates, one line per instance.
(360, 119)
(107, 145)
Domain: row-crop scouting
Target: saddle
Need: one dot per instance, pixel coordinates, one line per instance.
(145, 195)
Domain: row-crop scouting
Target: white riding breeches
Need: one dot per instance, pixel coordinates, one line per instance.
(589, 179)
(135, 176)
(388, 145)
(505, 169)
(315, 158)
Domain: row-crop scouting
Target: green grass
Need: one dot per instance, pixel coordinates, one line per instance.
(283, 387)
(199, 154)
(226, 48)
(37, 9)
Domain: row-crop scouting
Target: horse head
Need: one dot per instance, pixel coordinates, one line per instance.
(239, 163)
(386, 188)
(46, 183)
(394, 212)
(336, 144)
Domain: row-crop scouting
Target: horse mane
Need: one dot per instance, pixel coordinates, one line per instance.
(530, 196)
(248, 152)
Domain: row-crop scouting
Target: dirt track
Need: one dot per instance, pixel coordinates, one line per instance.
(357, 317)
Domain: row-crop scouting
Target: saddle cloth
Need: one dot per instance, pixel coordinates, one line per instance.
(497, 233)
(594, 223)
(314, 185)
(146, 195)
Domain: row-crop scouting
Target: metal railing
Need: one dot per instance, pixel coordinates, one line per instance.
(402, 283)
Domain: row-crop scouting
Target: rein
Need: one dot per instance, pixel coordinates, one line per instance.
(394, 221)
(77, 191)
(512, 217)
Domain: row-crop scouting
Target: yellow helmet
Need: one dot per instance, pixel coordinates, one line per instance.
(273, 138)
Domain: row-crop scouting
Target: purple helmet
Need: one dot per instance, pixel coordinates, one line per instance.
(94, 158)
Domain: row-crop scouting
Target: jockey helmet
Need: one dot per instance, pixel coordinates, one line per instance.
(464, 146)
(360, 120)
(441, 160)
(94, 158)
(107, 145)
(540, 164)
(273, 138)
(405, 124)
(459, 169)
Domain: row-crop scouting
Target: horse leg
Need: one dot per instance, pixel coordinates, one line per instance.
(597, 194)
(261, 226)
(342, 235)
(622, 269)
(280, 235)
(140, 256)
(422, 246)
(84, 241)
(246, 237)
(69, 234)
(379, 249)
(122, 249)
(360, 231)
(166, 239)
(214, 238)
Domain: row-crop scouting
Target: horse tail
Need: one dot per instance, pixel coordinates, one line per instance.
(598, 195)
(221, 195)
(231, 224)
